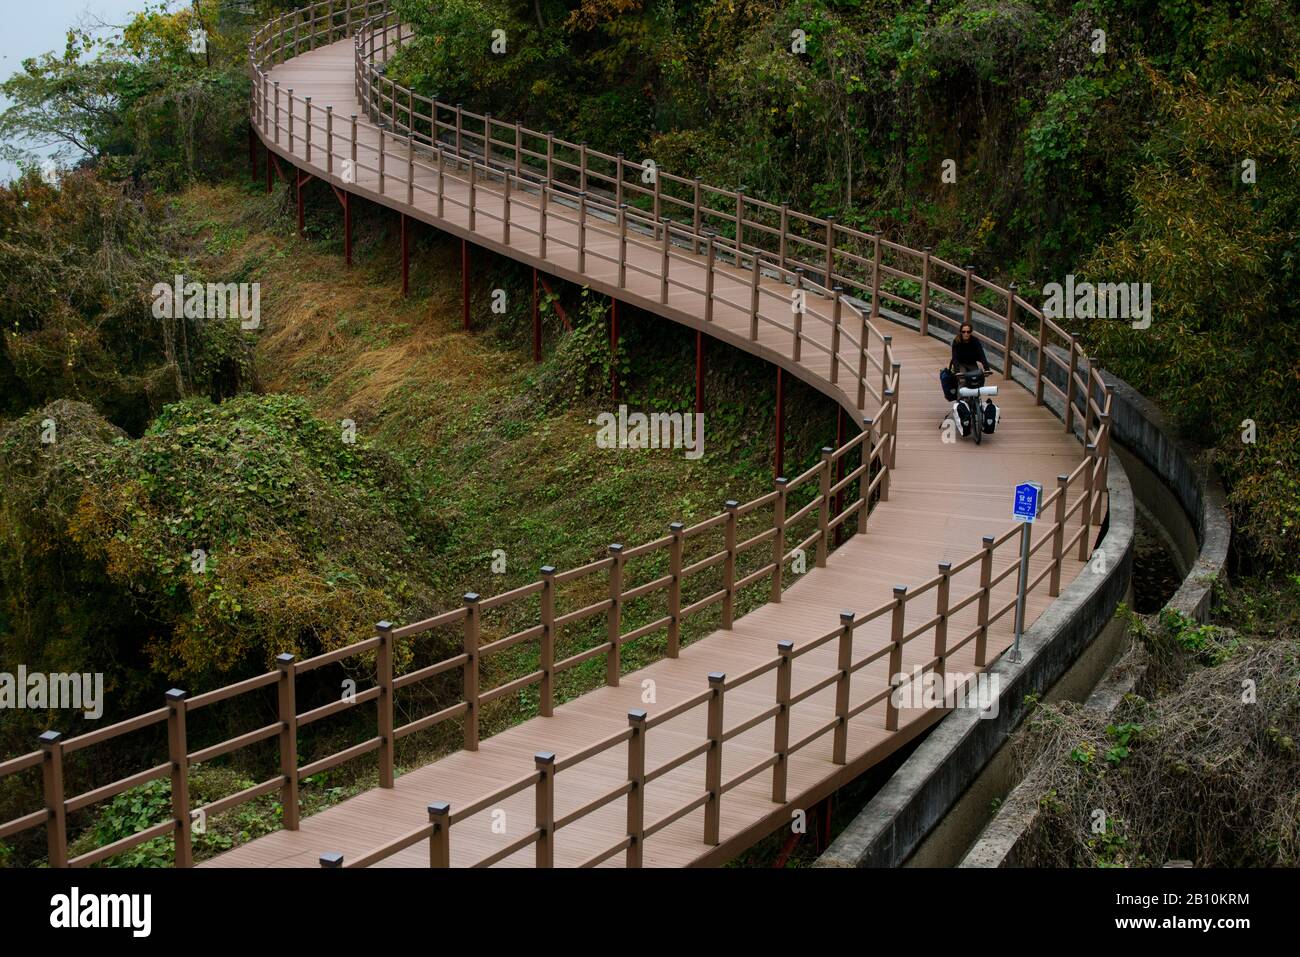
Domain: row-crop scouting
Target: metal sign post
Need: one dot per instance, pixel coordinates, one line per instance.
(1025, 510)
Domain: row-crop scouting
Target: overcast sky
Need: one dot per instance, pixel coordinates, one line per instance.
(40, 26)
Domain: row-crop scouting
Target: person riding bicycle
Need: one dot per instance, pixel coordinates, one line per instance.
(968, 352)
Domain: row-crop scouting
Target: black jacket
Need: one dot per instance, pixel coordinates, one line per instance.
(969, 352)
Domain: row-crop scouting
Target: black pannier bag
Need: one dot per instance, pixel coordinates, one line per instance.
(949, 383)
(991, 414)
(963, 417)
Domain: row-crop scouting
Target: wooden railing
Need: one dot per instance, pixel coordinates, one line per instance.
(565, 186)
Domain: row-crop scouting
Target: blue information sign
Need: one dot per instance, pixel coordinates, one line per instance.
(1026, 505)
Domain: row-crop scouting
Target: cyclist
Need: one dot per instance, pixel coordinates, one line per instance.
(968, 352)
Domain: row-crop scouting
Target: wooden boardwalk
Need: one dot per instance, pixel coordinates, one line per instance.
(943, 498)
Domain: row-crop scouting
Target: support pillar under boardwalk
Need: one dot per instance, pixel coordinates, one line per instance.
(464, 282)
(301, 179)
(406, 256)
(699, 371)
(345, 200)
(780, 421)
(537, 323)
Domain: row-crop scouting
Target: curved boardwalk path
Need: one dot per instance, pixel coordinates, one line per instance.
(754, 720)
(943, 498)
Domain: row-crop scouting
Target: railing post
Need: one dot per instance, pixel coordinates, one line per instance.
(473, 191)
(969, 292)
(941, 626)
(864, 483)
(778, 540)
(1058, 534)
(753, 297)
(798, 313)
(329, 139)
(897, 369)
(824, 507)
(695, 245)
(888, 430)
(636, 781)
(1103, 453)
(1038, 369)
(895, 656)
(875, 277)
(382, 157)
(460, 128)
(440, 836)
(618, 180)
(505, 210)
(986, 576)
(836, 306)
(1085, 512)
(781, 737)
(713, 760)
(839, 750)
(1010, 344)
(884, 363)
(544, 790)
(519, 149)
(290, 119)
(356, 173)
(665, 260)
(675, 589)
(470, 691)
(729, 565)
(550, 157)
(442, 181)
(543, 200)
(410, 174)
(178, 757)
(830, 252)
(622, 245)
(307, 122)
(287, 708)
(864, 334)
(582, 231)
(384, 680)
(785, 228)
(925, 291)
(1069, 385)
(614, 636)
(56, 821)
(582, 166)
(546, 664)
(710, 253)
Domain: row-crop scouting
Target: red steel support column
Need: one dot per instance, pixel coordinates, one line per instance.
(780, 421)
(347, 229)
(699, 371)
(537, 323)
(297, 181)
(613, 348)
(464, 281)
(406, 258)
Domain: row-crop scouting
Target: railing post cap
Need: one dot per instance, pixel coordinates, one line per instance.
(329, 107)
(383, 625)
(827, 450)
(889, 393)
(896, 364)
(927, 249)
(731, 503)
(785, 646)
(471, 597)
(847, 615)
(900, 590)
(945, 567)
(175, 694)
(354, 116)
(636, 716)
(331, 859)
(866, 422)
(616, 547)
(439, 809)
(888, 338)
(675, 527)
(781, 481)
(837, 289)
(544, 757)
(717, 677)
(548, 570)
(284, 658)
(799, 269)
(49, 738)
(1062, 479)
(988, 541)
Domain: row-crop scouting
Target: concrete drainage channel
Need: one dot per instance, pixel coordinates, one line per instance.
(935, 808)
